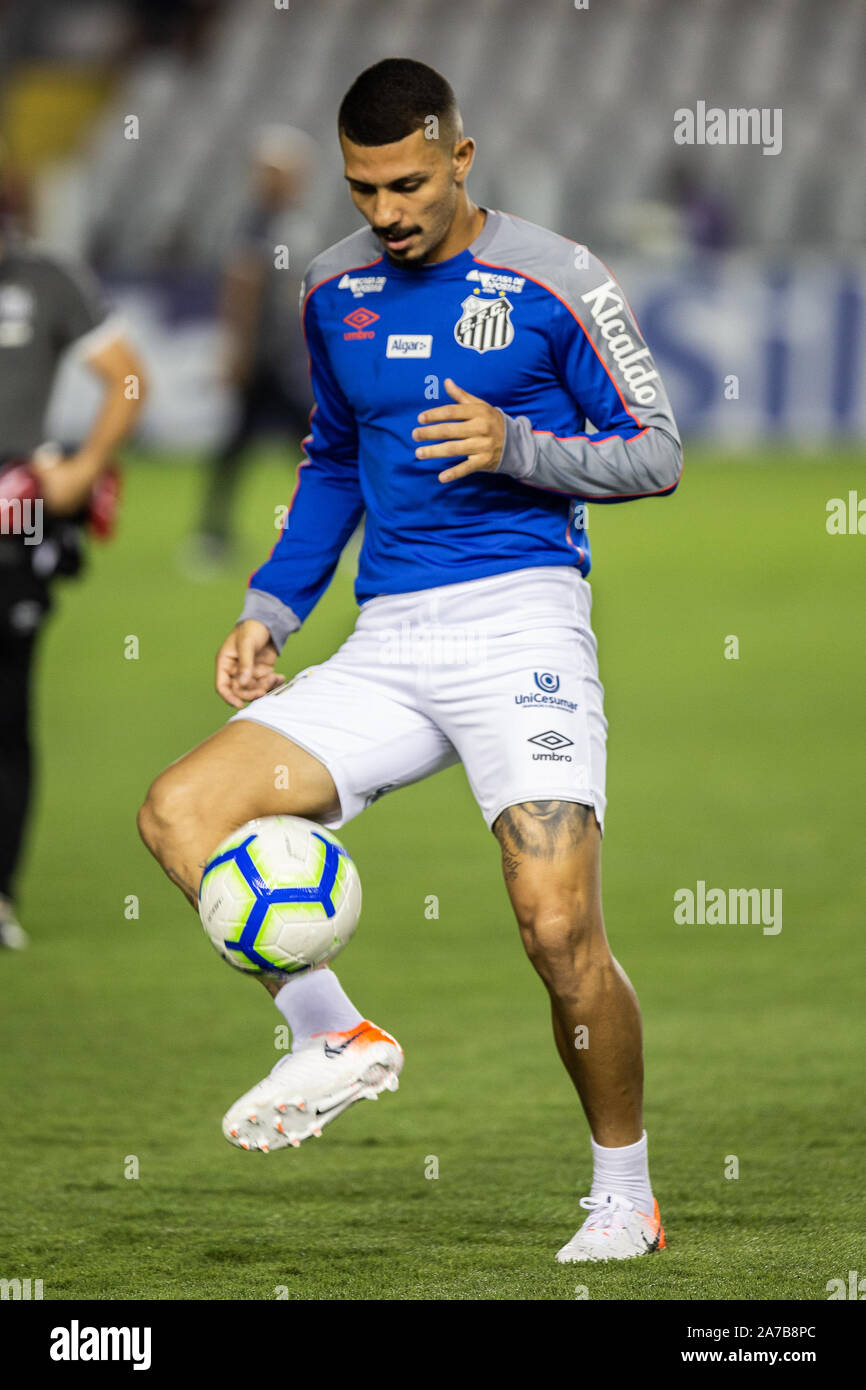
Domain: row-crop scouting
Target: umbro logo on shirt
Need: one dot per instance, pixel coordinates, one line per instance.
(359, 321)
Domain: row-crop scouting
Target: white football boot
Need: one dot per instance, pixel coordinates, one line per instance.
(614, 1230)
(12, 935)
(309, 1088)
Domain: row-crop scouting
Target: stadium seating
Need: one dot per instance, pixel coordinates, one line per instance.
(573, 113)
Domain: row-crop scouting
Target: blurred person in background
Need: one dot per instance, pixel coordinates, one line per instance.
(266, 361)
(16, 214)
(704, 214)
(691, 217)
(181, 25)
(46, 501)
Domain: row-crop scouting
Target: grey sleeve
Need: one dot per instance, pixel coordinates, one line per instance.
(79, 305)
(648, 464)
(606, 366)
(277, 617)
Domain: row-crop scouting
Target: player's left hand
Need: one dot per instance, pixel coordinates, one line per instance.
(470, 427)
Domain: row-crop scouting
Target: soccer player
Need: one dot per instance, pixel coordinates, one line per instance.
(46, 307)
(476, 538)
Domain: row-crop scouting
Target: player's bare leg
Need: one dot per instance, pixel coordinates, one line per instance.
(551, 857)
(243, 772)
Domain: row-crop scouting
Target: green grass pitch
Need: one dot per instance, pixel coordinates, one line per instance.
(126, 1039)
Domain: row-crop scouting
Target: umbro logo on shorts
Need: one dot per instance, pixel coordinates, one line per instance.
(551, 741)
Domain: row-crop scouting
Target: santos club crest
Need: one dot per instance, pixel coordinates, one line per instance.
(485, 323)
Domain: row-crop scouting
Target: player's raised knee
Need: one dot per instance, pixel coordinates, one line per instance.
(169, 806)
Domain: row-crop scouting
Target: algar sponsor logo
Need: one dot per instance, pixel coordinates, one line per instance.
(608, 310)
(409, 345)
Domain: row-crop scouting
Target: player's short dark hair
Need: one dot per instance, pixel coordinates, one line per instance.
(394, 98)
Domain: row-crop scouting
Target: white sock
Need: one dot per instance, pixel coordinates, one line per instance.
(624, 1171)
(315, 1002)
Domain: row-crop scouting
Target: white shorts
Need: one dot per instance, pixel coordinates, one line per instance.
(499, 674)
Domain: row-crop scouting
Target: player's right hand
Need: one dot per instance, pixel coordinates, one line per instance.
(245, 664)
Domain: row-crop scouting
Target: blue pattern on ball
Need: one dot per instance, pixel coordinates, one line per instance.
(265, 897)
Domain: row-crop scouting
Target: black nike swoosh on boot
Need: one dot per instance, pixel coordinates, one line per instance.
(335, 1051)
(654, 1244)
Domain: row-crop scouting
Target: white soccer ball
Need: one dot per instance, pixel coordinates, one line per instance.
(281, 893)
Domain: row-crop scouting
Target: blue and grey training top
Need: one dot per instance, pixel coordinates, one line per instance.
(524, 318)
